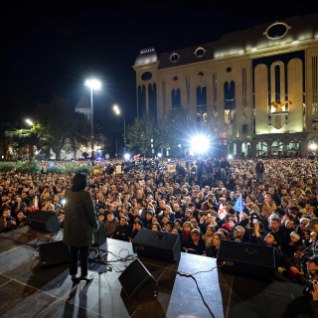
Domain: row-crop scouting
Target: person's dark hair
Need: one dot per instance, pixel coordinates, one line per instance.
(79, 181)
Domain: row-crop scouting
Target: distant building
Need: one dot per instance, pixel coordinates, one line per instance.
(255, 89)
(84, 107)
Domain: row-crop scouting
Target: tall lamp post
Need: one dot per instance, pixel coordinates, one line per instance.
(117, 112)
(93, 85)
(30, 123)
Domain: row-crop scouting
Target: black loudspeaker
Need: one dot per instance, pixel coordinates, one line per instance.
(248, 259)
(158, 245)
(138, 285)
(44, 221)
(100, 235)
(53, 253)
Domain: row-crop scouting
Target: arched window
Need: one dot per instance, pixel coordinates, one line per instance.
(201, 105)
(229, 95)
(175, 98)
(152, 93)
(261, 149)
(141, 101)
(277, 148)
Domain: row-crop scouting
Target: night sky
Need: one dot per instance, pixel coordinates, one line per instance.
(49, 48)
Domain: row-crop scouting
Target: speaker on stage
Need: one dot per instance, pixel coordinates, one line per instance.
(100, 235)
(138, 285)
(247, 259)
(44, 221)
(98, 252)
(53, 253)
(158, 245)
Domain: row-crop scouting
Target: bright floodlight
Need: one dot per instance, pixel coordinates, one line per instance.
(313, 146)
(93, 84)
(199, 144)
(29, 122)
(127, 156)
(116, 109)
(159, 155)
(229, 156)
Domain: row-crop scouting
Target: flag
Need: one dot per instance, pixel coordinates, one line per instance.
(239, 205)
(136, 157)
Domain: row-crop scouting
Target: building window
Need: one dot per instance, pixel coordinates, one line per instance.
(277, 30)
(174, 57)
(146, 76)
(201, 105)
(261, 149)
(199, 52)
(245, 129)
(229, 95)
(277, 148)
(175, 98)
(228, 70)
(315, 125)
(175, 78)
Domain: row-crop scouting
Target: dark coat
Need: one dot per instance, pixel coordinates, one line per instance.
(80, 222)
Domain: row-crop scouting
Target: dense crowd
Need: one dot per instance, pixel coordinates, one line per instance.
(193, 199)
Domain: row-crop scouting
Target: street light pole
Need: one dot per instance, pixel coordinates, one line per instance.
(30, 123)
(117, 112)
(124, 133)
(92, 84)
(92, 124)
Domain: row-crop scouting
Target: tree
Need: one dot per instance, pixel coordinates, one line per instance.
(139, 136)
(8, 114)
(19, 138)
(169, 133)
(173, 131)
(60, 123)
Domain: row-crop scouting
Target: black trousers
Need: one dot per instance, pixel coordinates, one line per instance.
(78, 253)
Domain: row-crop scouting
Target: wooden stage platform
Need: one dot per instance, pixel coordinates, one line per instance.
(28, 289)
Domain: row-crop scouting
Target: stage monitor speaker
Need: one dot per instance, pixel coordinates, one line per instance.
(53, 253)
(248, 259)
(100, 235)
(138, 285)
(44, 221)
(158, 245)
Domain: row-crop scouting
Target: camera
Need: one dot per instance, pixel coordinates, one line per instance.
(254, 218)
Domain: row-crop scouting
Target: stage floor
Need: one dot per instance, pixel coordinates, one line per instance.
(28, 289)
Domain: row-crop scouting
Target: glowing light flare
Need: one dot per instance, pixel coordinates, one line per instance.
(313, 146)
(29, 121)
(199, 144)
(93, 84)
(116, 109)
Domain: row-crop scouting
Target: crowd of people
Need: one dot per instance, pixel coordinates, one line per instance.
(194, 199)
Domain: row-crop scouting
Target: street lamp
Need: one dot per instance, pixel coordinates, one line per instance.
(29, 122)
(92, 84)
(117, 112)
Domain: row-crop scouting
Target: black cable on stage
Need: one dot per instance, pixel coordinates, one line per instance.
(199, 290)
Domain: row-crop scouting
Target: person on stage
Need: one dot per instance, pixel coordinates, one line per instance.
(80, 224)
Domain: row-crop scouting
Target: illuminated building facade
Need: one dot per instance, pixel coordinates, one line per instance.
(255, 89)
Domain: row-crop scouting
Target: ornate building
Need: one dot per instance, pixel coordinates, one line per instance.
(255, 89)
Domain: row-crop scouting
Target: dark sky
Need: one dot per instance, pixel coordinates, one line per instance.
(49, 48)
